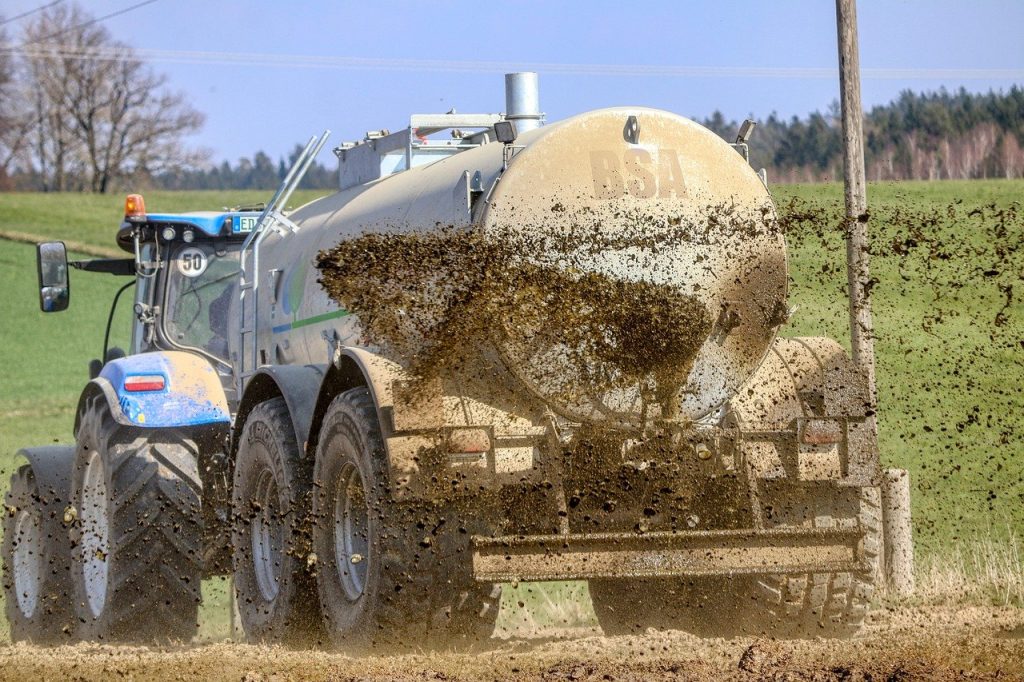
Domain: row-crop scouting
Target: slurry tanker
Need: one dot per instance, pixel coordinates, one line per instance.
(502, 352)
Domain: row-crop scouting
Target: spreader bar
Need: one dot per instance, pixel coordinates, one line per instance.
(666, 554)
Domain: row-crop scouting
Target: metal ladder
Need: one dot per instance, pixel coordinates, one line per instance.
(272, 218)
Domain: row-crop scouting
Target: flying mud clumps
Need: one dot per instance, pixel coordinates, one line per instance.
(436, 298)
(614, 333)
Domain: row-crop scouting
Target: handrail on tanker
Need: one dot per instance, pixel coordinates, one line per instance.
(271, 216)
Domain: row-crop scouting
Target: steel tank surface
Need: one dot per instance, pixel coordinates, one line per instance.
(632, 195)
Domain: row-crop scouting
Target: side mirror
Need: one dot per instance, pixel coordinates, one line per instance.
(54, 283)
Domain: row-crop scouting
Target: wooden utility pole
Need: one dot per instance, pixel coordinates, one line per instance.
(898, 550)
(858, 274)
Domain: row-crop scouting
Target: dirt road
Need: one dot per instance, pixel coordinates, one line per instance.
(937, 643)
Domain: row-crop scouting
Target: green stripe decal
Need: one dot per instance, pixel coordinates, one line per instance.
(316, 319)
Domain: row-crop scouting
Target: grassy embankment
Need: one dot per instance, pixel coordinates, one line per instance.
(967, 477)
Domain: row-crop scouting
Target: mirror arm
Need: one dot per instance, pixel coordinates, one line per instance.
(113, 266)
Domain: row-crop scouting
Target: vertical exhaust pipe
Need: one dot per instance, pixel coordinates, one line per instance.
(522, 100)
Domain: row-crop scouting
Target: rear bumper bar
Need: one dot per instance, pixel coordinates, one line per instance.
(666, 554)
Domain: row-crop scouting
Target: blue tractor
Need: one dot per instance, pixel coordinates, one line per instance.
(106, 540)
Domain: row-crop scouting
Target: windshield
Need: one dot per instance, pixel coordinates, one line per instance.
(201, 296)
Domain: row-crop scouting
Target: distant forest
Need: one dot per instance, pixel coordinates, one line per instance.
(929, 136)
(259, 172)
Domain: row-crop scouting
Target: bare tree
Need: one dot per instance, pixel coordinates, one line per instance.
(14, 121)
(99, 113)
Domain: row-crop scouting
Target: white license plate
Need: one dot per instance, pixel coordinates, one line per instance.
(246, 223)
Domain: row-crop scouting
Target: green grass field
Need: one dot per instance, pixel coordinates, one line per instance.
(950, 392)
(951, 401)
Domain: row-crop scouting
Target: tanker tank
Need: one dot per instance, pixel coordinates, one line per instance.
(625, 263)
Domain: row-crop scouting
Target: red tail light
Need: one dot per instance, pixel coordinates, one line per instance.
(821, 432)
(144, 382)
(469, 441)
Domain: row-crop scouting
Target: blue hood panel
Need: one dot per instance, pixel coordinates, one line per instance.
(210, 223)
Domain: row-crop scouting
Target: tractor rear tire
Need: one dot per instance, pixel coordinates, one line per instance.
(137, 563)
(273, 579)
(393, 575)
(36, 563)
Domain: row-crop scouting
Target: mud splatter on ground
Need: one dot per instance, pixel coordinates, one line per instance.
(953, 252)
(901, 644)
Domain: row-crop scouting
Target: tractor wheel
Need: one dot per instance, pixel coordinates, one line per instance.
(710, 607)
(274, 584)
(824, 604)
(36, 560)
(391, 574)
(137, 563)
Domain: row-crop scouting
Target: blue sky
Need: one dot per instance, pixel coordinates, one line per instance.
(270, 107)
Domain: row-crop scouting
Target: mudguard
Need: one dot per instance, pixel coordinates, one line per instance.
(809, 377)
(380, 374)
(51, 465)
(297, 384)
(192, 394)
(353, 367)
(415, 416)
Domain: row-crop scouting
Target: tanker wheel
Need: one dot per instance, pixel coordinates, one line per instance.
(711, 607)
(274, 585)
(824, 604)
(137, 563)
(392, 575)
(36, 561)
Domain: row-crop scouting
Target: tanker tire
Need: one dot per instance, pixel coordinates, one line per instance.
(273, 580)
(36, 564)
(406, 578)
(826, 604)
(137, 557)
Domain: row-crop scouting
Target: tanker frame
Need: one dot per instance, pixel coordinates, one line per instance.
(349, 497)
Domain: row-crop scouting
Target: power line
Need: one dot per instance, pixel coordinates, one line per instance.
(95, 21)
(263, 59)
(30, 12)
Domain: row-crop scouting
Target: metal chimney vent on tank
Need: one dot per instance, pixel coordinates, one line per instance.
(522, 100)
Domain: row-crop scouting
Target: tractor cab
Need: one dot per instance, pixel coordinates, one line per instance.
(186, 273)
